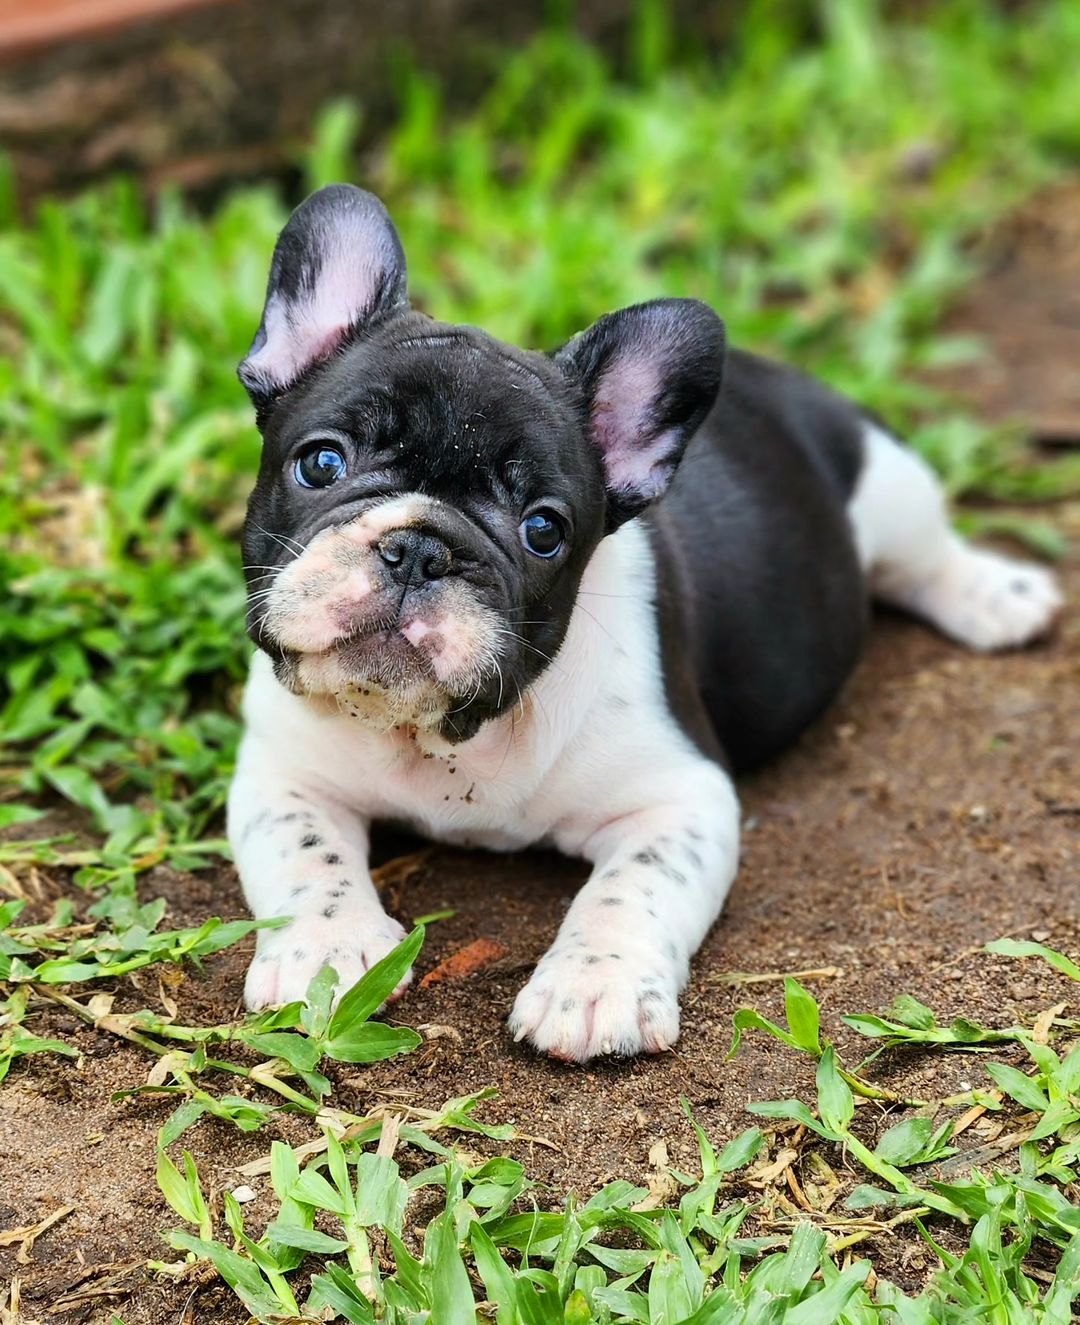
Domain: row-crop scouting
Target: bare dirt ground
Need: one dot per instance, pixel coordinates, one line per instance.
(936, 807)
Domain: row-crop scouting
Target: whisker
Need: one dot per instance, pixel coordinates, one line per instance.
(599, 623)
(510, 634)
(283, 539)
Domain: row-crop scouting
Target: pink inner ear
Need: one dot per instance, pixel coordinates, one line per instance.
(633, 460)
(302, 331)
(294, 341)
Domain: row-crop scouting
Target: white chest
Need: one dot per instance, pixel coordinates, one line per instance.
(538, 772)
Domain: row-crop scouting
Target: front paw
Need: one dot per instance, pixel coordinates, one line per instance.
(288, 959)
(579, 1004)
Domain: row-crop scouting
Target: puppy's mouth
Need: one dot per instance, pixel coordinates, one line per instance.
(343, 622)
(377, 645)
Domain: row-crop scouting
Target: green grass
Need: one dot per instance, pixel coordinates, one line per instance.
(378, 1218)
(723, 1245)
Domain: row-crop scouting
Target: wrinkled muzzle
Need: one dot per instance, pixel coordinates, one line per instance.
(384, 615)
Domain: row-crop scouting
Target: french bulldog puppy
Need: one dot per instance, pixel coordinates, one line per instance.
(509, 598)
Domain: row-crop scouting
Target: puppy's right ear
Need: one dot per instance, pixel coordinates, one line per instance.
(338, 266)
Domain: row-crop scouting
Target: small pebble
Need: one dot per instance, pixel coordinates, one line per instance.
(243, 1194)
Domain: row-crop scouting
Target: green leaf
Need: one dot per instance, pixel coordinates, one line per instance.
(873, 1027)
(179, 1121)
(182, 1190)
(740, 1150)
(313, 1189)
(13, 813)
(315, 1015)
(243, 1277)
(803, 1017)
(1020, 1087)
(914, 1141)
(1019, 948)
(373, 988)
(910, 1012)
(370, 1042)
(796, 1110)
(705, 1146)
(450, 1295)
(829, 1303)
(836, 1104)
(306, 1239)
(336, 1290)
(1059, 1114)
(746, 1019)
(297, 1050)
(496, 1275)
(381, 1193)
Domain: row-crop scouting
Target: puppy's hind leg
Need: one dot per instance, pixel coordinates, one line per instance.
(913, 559)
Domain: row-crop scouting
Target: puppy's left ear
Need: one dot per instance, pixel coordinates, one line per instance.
(338, 266)
(650, 374)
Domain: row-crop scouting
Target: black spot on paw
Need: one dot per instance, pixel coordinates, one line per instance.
(648, 856)
(298, 954)
(611, 874)
(344, 883)
(331, 858)
(330, 912)
(611, 901)
(336, 892)
(253, 825)
(310, 840)
(591, 959)
(670, 872)
(299, 890)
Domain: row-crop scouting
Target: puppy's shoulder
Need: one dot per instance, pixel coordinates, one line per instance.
(769, 407)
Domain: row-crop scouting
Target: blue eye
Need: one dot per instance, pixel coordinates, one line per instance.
(543, 533)
(319, 465)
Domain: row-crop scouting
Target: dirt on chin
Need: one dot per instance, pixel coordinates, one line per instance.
(934, 808)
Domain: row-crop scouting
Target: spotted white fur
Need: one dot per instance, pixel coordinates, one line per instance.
(592, 762)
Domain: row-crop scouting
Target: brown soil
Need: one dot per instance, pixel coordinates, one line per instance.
(936, 807)
(1028, 315)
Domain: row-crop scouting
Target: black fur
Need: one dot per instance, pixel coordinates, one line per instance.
(762, 601)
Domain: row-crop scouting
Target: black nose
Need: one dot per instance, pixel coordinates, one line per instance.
(413, 556)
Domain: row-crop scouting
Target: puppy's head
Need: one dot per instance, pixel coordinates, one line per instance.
(429, 497)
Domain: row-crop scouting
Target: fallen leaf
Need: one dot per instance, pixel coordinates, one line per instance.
(465, 962)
